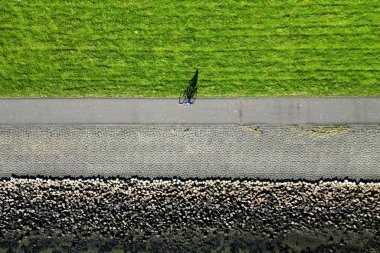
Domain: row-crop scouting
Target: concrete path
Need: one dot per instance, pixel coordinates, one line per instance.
(272, 111)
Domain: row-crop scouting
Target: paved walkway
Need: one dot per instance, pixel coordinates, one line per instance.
(272, 111)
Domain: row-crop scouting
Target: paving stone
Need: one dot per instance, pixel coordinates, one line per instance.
(193, 151)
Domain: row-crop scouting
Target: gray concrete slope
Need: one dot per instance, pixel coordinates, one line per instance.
(276, 152)
(356, 110)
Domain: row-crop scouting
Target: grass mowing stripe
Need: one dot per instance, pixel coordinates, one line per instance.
(140, 48)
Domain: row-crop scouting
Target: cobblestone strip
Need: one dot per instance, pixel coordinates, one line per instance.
(189, 151)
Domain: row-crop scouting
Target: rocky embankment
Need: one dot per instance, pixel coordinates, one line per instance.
(171, 215)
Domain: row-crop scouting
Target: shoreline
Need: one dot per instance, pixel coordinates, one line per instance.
(141, 214)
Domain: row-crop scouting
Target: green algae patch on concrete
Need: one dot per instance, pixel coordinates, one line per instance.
(321, 131)
(256, 130)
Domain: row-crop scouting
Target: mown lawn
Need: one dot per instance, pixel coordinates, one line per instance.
(140, 48)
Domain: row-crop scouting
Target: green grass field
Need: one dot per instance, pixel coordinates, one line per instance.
(139, 48)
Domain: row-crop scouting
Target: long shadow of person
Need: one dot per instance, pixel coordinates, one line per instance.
(189, 94)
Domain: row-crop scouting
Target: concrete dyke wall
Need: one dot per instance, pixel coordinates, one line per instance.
(255, 151)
